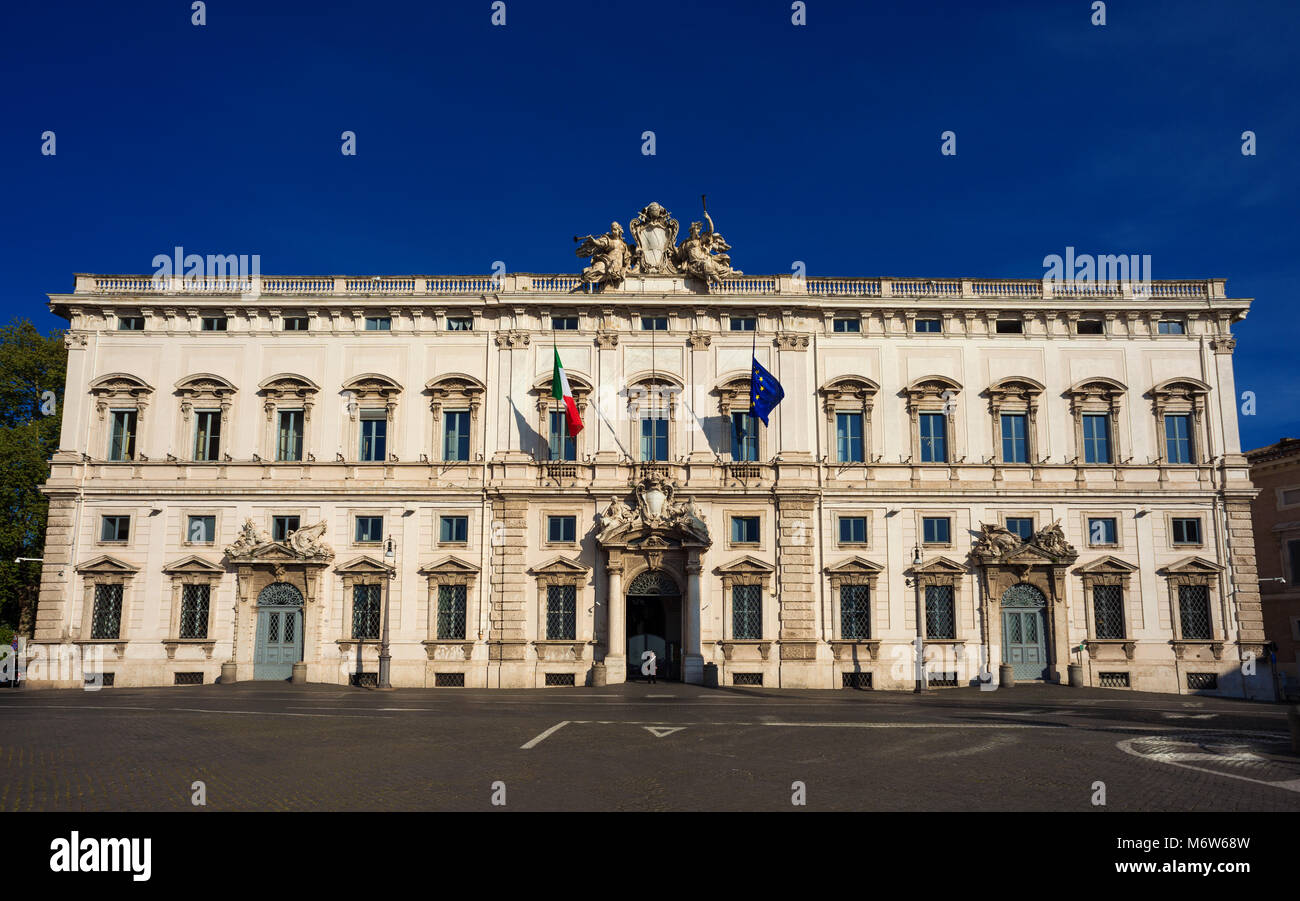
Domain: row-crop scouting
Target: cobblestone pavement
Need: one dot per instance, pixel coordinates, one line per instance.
(272, 746)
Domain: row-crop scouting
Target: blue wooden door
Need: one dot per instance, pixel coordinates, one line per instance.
(1024, 643)
(279, 642)
(1024, 631)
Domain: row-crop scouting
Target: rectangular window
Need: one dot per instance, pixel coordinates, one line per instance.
(654, 323)
(1194, 612)
(1178, 438)
(213, 323)
(1089, 327)
(1102, 531)
(563, 446)
(1171, 327)
(744, 323)
(365, 612)
(1015, 443)
(853, 530)
(451, 611)
(1010, 327)
(848, 437)
(744, 530)
(1096, 438)
(460, 323)
(934, 438)
(296, 323)
(282, 526)
(453, 529)
(561, 612)
(201, 529)
(288, 442)
(940, 615)
(936, 530)
(1022, 526)
(114, 528)
(1108, 611)
(929, 326)
(121, 440)
(747, 612)
(369, 529)
(379, 323)
(654, 440)
(1186, 530)
(846, 325)
(455, 437)
(106, 618)
(1293, 559)
(564, 323)
(561, 529)
(855, 612)
(194, 611)
(374, 436)
(744, 436)
(207, 435)
(130, 324)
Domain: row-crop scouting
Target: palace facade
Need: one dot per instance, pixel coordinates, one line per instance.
(1032, 480)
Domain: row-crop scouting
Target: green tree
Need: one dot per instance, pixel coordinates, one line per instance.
(32, 369)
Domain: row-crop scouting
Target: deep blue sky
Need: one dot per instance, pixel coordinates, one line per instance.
(818, 143)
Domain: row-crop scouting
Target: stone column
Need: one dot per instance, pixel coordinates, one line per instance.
(616, 649)
(693, 669)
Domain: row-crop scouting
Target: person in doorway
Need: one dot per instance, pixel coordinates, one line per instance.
(652, 666)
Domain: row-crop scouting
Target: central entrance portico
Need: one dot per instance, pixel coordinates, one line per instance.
(658, 546)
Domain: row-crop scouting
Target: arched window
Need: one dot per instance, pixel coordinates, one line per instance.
(206, 401)
(372, 413)
(556, 444)
(652, 414)
(847, 403)
(1014, 405)
(120, 404)
(455, 400)
(1095, 406)
(1179, 406)
(932, 406)
(288, 400)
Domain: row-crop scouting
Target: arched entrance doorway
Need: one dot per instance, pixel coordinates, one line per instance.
(279, 631)
(1024, 631)
(654, 623)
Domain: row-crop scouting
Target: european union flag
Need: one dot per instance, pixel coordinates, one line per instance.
(765, 392)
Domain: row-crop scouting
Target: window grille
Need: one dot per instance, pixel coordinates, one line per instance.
(561, 613)
(746, 612)
(1194, 611)
(942, 680)
(746, 678)
(1202, 681)
(102, 679)
(364, 680)
(188, 679)
(855, 680)
(855, 611)
(365, 612)
(194, 611)
(451, 611)
(559, 679)
(1113, 680)
(449, 680)
(1108, 610)
(106, 619)
(940, 618)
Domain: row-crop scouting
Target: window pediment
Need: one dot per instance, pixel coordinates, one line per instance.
(1106, 564)
(194, 565)
(930, 391)
(205, 384)
(372, 384)
(560, 570)
(1192, 566)
(120, 383)
(364, 565)
(106, 565)
(288, 384)
(854, 571)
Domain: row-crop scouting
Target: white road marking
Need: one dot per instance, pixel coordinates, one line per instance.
(1236, 757)
(661, 731)
(545, 735)
(661, 696)
(71, 707)
(1190, 716)
(345, 716)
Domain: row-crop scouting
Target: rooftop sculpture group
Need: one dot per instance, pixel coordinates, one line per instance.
(702, 255)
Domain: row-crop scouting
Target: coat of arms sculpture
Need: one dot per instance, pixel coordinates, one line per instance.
(701, 256)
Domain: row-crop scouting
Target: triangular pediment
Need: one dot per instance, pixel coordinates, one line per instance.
(1106, 564)
(939, 565)
(362, 566)
(107, 564)
(193, 564)
(1194, 566)
(746, 565)
(448, 566)
(854, 566)
(559, 566)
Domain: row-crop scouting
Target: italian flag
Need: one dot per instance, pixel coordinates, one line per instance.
(560, 391)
